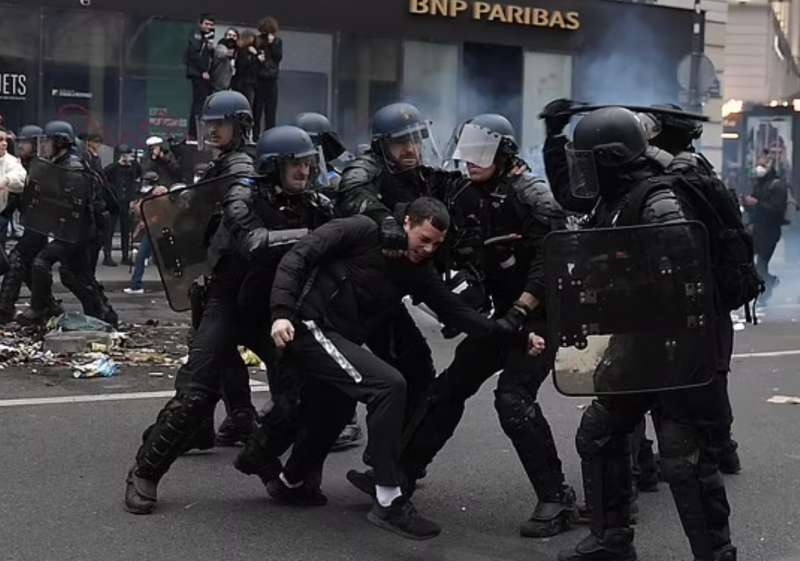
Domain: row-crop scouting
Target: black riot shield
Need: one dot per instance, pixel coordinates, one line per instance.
(630, 308)
(56, 201)
(179, 224)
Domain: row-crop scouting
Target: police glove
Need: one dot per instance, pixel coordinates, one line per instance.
(514, 319)
(393, 238)
(556, 115)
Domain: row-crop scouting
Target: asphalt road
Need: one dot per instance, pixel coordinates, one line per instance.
(62, 469)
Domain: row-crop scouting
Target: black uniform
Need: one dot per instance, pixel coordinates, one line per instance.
(687, 421)
(75, 270)
(520, 205)
(368, 187)
(167, 167)
(354, 293)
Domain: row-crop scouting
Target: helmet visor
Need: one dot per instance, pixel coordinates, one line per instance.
(583, 179)
(475, 145)
(410, 148)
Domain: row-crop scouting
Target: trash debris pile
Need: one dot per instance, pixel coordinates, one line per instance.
(92, 348)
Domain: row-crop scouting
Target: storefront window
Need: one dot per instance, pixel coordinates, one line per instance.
(430, 81)
(368, 79)
(547, 77)
(82, 59)
(156, 93)
(19, 65)
(305, 79)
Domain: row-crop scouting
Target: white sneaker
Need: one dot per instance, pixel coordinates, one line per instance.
(134, 291)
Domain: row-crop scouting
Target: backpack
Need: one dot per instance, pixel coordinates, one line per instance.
(732, 257)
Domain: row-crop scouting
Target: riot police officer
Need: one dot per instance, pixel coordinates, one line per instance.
(286, 159)
(676, 134)
(501, 216)
(58, 145)
(609, 162)
(21, 257)
(396, 170)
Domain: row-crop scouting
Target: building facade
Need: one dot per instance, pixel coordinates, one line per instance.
(117, 67)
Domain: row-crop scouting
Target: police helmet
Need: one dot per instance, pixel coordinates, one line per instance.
(313, 123)
(60, 132)
(614, 135)
(499, 124)
(279, 144)
(228, 105)
(674, 133)
(30, 132)
(396, 120)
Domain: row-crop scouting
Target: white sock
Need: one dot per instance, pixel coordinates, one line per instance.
(386, 495)
(286, 482)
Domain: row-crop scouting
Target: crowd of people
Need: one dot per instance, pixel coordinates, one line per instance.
(245, 62)
(313, 253)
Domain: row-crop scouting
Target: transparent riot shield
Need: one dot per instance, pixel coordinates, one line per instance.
(180, 224)
(630, 308)
(56, 201)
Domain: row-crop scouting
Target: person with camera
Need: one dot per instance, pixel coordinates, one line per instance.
(269, 49)
(197, 58)
(161, 160)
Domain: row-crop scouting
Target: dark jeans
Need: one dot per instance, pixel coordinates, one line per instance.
(124, 221)
(201, 89)
(266, 105)
(21, 260)
(765, 238)
(346, 368)
(138, 268)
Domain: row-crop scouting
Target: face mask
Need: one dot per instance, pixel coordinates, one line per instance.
(761, 171)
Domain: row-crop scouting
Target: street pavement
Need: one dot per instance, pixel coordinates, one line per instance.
(63, 464)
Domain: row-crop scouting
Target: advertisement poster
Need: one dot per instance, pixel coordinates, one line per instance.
(769, 135)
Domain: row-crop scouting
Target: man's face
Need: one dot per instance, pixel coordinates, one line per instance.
(406, 152)
(3, 144)
(231, 34)
(481, 175)
(423, 240)
(48, 148)
(296, 174)
(27, 149)
(220, 133)
(94, 146)
(207, 25)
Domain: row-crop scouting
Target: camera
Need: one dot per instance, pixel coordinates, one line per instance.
(85, 3)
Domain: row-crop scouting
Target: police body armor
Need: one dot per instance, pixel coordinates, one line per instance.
(57, 199)
(631, 308)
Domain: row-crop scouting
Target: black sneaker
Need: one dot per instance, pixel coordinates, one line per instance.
(305, 495)
(364, 481)
(109, 262)
(237, 428)
(403, 519)
(250, 463)
(140, 494)
(352, 435)
(615, 545)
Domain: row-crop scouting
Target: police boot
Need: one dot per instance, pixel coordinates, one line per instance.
(303, 494)
(255, 459)
(162, 444)
(615, 544)
(237, 427)
(552, 517)
(727, 553)
(32, 317)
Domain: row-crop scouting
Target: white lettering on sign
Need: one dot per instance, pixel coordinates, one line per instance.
(13, 86)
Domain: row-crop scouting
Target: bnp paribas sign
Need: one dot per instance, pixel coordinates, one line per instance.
(497, 12)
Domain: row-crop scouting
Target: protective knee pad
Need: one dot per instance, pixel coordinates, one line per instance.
(517, 412)
(595, 434)
(175, 425)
